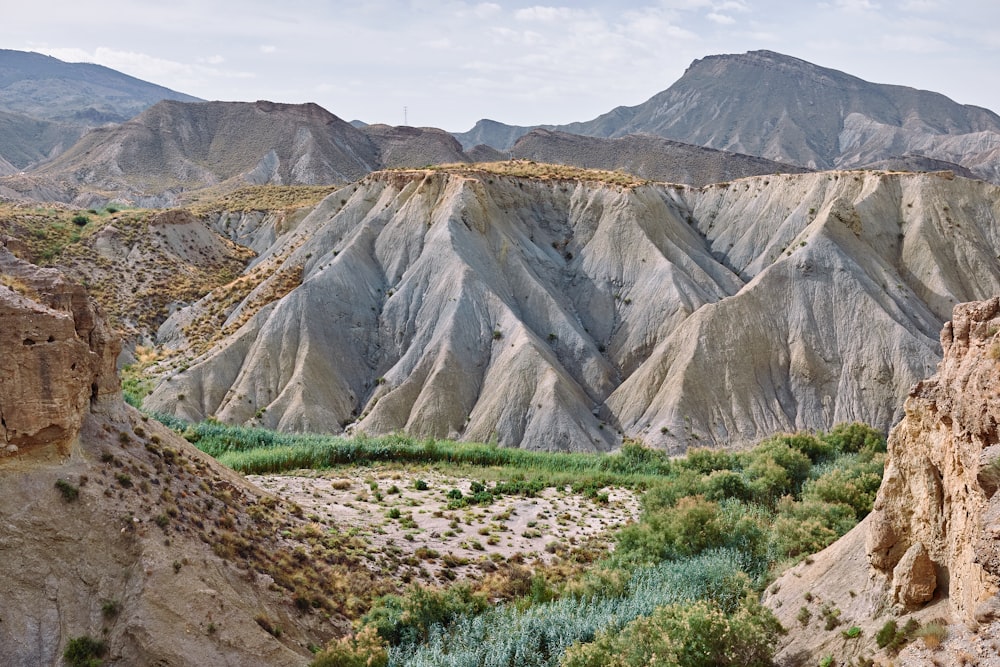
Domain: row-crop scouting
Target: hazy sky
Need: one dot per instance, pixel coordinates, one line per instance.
(453, 62)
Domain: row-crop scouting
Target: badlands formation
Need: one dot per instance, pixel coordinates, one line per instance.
(557, 313)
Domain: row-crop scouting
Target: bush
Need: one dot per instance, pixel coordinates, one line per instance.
(695, 634)
(85, 652)
(400, 619)
(690, 527)
(69, 491)
(856, 437)
(933, 634)
(852, 480)
(774, 469)
(365, 649)
(81, 220)
(892, 638)
(803, 528)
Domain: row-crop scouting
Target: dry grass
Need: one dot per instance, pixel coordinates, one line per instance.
(538, 170)
(261, 198)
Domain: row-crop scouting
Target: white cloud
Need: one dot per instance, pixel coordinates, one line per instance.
(213, 60)
(485, 10)
(721, 19)
(268, 48)
(920, 5)
(858, 5)
(544, 14)
(914, 44)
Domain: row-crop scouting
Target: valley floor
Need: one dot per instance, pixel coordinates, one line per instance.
(424, 535)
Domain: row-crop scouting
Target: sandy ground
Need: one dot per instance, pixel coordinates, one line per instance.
(415, 533)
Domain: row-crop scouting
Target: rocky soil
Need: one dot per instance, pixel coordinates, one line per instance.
(431, 542)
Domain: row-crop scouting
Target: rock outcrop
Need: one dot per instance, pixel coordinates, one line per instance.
(930, 550)
(58, 358)
(933, 530)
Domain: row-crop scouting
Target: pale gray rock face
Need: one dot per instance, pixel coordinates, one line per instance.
(566, 315)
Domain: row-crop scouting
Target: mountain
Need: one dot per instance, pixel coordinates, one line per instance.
(646, 156)
(177, 146)
(25, 141)
(554, 309)
(405, 146)
(785, 109)
(46, 104)
(495, 134)
(42, 87)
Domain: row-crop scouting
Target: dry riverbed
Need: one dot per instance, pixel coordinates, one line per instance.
(411, 530)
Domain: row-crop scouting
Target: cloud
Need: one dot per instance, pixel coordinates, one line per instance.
(858, 5)
(171, 73)
(544, 14)
(920, 5)
(268, 48)
(721, 19)
(914, 44)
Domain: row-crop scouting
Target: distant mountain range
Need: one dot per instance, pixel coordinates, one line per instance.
(788, 110)
(728, 117)
(46, 104)
(39, 86)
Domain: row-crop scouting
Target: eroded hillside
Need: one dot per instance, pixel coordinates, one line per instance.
(556, 310)
(123, 541)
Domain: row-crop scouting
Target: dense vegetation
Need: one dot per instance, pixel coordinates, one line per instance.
(681, 586)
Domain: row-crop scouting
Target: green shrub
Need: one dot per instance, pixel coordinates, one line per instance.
(723, 484)
(774, 469)
(537, 635)
(81, 220)
(892, 638)
(856, 437)
(85, 651)
(706, 461)
(695, 634)
(409, 618)
(803, 528)
(69, 491)
(851, 480)
(693, 525)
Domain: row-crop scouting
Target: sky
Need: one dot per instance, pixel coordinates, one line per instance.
(449, 63)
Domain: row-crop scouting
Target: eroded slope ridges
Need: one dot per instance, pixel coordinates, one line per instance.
(562, 314)
(175, 146)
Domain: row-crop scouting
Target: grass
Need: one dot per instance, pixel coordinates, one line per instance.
(262, 198)
(540, 170)
(262, 451)
(715, 526)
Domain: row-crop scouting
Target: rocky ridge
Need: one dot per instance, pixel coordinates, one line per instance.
(932, 531)
(410, 299)
(788, 110)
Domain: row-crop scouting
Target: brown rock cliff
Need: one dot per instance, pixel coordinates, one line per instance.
(58, 358)
(937, 500)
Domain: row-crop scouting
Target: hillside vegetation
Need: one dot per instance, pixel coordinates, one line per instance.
(714, 529)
